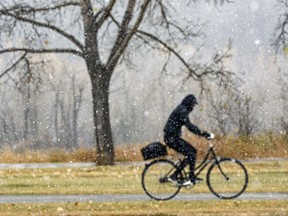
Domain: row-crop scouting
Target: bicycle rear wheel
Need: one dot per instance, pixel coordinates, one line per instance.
(154, 180)
(227, 178)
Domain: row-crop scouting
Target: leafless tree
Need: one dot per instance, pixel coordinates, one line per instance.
(233, 110)
(281, 31)
(77, 95)
(283, 81)
(8, 134)
(66, 113)
(219, 111)
(281, 43)
(27, 85)
(8, 129)
(243, 115)
(100, 32)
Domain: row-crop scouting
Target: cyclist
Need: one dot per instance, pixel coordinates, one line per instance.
(172, 137)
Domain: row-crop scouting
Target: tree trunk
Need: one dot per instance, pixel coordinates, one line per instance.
(27, 109)
(56, 128)
(77, 101)
(100, 79)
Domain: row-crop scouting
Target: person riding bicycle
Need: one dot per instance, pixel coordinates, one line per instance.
(172, 137)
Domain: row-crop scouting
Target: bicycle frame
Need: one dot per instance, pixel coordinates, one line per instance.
(207, 160)
(210, 157)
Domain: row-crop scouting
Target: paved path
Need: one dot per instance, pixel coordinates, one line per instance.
(91, 164)
(131, 197)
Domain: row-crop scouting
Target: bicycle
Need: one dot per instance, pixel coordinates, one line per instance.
(227, 178)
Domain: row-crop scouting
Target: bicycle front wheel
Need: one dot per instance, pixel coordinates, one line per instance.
(227, 178)
(154, 180)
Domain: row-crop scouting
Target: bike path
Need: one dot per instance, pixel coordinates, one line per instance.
(91, 164)
(129, 197)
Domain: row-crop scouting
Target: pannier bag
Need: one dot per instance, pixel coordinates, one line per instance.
(153, 150)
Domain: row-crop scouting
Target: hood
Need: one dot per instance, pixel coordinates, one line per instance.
(189, 100)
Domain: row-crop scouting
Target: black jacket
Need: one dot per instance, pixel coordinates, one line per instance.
(180, 117)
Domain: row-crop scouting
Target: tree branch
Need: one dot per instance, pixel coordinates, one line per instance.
(27, 9)
(114, 57)
(192, 72)
(123, 27)
(105, 15)
(280, 39)
(13, 65)
(44, 25)
(39, 51)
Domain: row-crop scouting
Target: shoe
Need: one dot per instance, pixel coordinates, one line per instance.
(196, 179)
(187, 183)
(173, 179)
(192, 180)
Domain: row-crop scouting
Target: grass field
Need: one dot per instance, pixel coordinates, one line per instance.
(125, 179)
(122, 179)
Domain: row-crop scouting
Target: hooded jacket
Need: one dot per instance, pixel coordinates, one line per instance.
(180, 117)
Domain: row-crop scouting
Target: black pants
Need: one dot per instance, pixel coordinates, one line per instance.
(184, 148)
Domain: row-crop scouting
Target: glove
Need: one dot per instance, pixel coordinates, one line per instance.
(206, 134)
(212, 136)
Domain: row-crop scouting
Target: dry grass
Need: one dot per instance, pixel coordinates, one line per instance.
(47, 156)
(260, 146)
(170, 208)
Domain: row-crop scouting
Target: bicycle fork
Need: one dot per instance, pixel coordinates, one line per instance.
(221, 171)
(217, 160)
